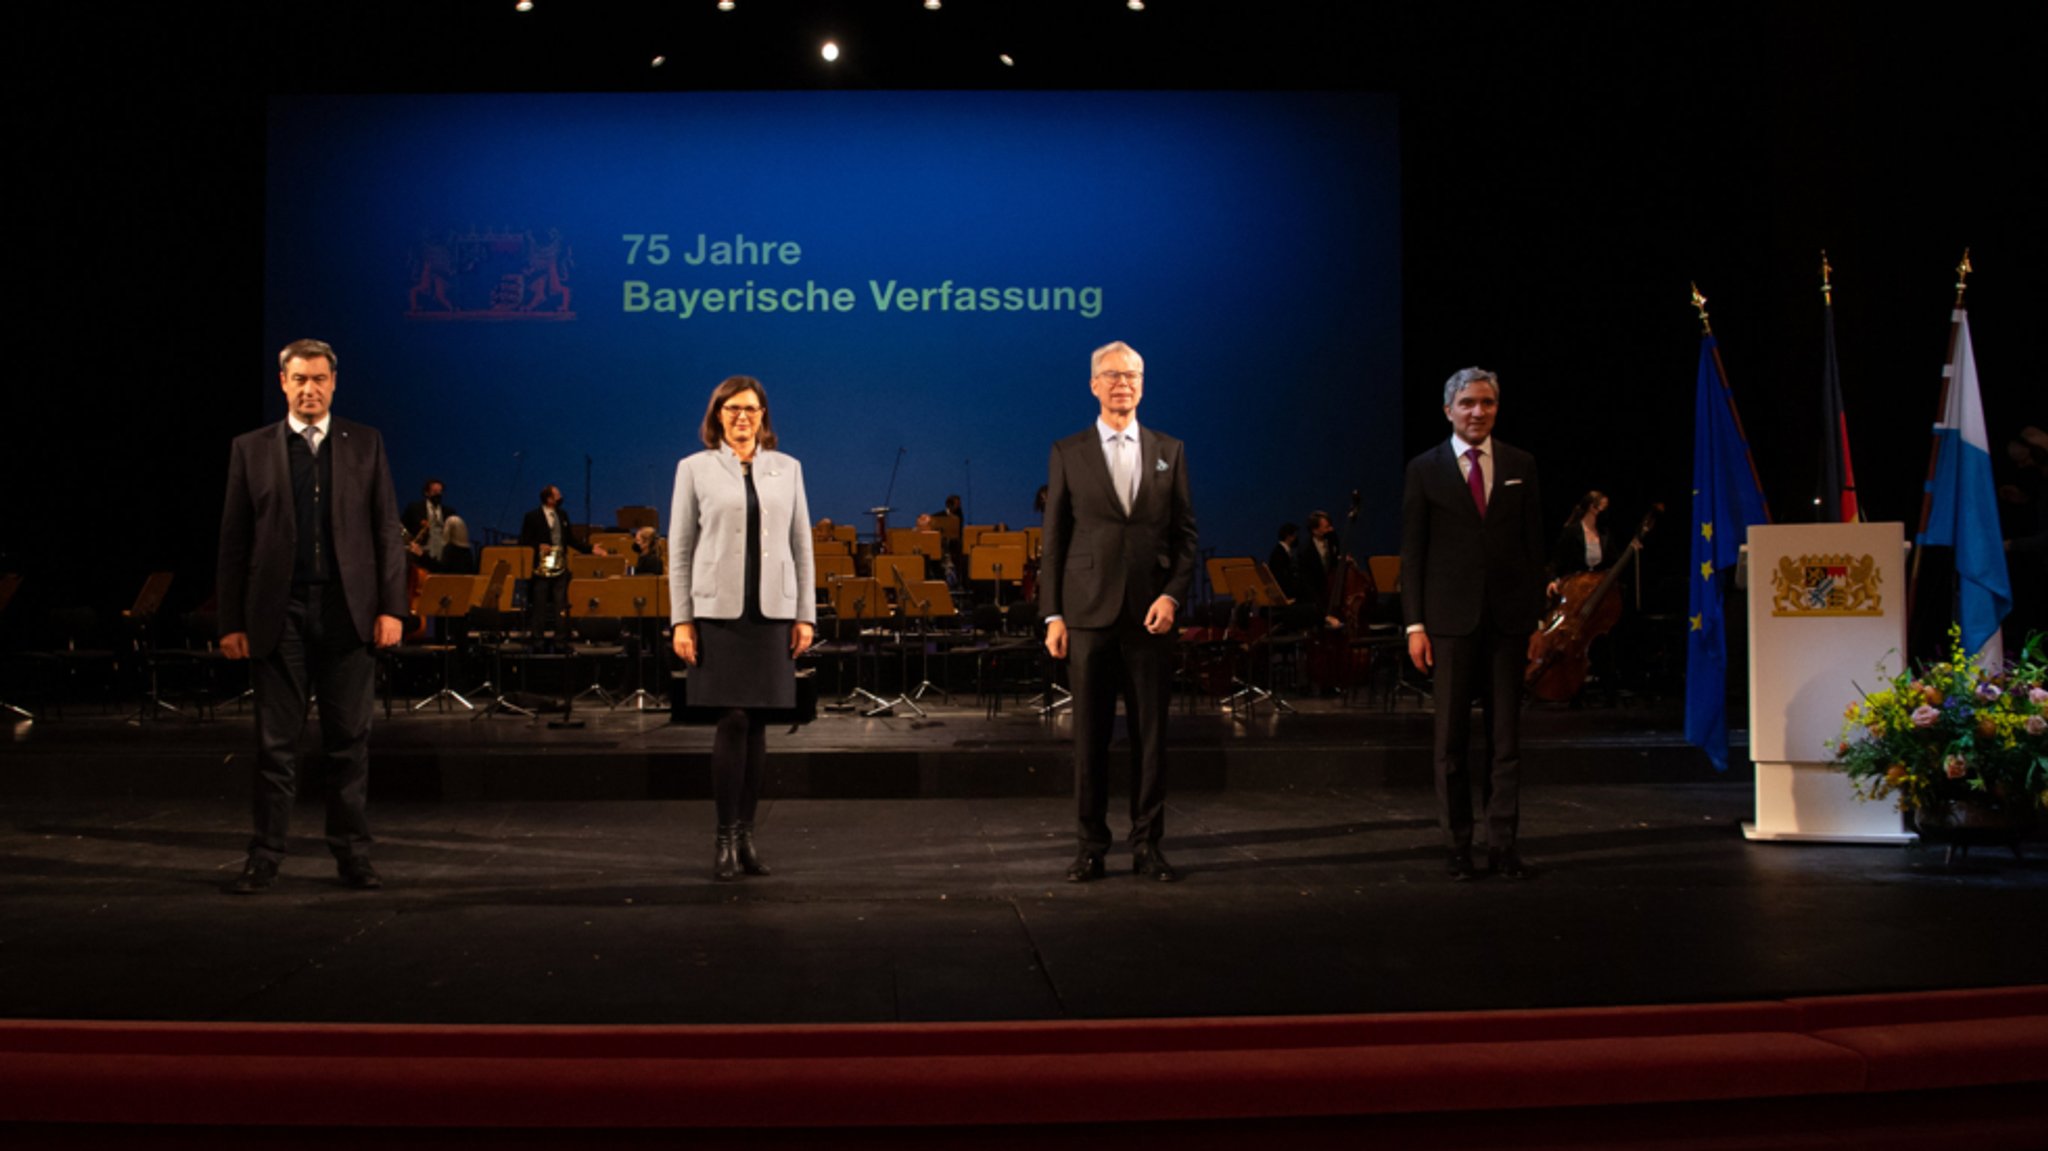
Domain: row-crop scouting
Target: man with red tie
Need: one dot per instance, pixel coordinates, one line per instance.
(1472, 555)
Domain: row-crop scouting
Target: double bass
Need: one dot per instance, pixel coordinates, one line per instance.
(1335, 658)
(1585, 611)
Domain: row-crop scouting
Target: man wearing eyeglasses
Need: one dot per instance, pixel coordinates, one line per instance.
(1118, 559)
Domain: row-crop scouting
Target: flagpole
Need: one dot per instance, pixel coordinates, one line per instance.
(1728, 397)
(1948, 375)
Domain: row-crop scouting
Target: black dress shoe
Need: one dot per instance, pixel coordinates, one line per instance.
(1508, 864)
(1086, 866)
(356, 872)
(257, 875)
(1148, 861)
(1460, 866)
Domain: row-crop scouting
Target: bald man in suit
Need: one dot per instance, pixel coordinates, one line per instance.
(1472, 573)
(311, 582)
(1117, 561)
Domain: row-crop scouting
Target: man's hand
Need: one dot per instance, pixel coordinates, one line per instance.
(685, 640)
(1159, 620)
(235, 645)
(1419, 652)
(800, 636)
(390, 629)
(598, 550)
(1056, 638)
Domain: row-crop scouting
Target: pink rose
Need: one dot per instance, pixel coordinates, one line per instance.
(1956, 766)
(2036, 725)
(2037, 695)
(1924, 716)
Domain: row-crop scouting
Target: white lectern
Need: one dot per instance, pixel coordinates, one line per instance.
(1827, 605)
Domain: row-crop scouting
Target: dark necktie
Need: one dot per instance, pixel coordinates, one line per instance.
(1476, 481)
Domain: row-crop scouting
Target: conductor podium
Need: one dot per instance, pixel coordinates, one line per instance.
(1827, 605)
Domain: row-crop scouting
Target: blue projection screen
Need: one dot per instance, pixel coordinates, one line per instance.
(517, 283)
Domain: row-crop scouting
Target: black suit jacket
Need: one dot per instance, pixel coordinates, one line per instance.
(1453, 564)
(1096, 562)
(259, 532)
(533, 532)
(414, 517)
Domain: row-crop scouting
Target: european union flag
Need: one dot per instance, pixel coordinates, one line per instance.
(1726, 499)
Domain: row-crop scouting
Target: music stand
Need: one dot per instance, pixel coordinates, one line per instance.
(638, 598)
(595, 601)
(858, 600)
(489, 600)
(148, 602)
(445, 597)
(632, 519)
(1253, 585)
(893, 571)
(594, 567)
(999, 564)
(924, 601)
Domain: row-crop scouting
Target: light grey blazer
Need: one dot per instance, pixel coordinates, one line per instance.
(706, 546)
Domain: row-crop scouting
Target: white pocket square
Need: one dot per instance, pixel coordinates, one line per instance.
(1510, 483)
(1159, 466)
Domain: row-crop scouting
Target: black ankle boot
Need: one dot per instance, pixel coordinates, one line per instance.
(743, 842)
(727, 863)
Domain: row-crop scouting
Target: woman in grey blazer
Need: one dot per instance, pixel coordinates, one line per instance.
(741, 596)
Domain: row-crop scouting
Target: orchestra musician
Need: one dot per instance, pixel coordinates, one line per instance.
(548, 531)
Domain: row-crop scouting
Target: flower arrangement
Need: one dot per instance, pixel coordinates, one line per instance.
(1953, 731)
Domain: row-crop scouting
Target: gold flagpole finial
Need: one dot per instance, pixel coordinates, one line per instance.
(1827, 290)
(1700, 302)
(1963, 271)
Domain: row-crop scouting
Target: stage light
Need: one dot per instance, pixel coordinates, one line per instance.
(725, 5)
(931, 5)
(657, 62)
(830, 51)
(1135, 5)
(1007, 62)
(523, 6)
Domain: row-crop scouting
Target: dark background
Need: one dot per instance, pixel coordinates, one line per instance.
(1566, 174)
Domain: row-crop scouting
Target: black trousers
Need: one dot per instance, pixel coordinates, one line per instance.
(1125, 660)
(547, 601)
(319, 652)
(739, 749)
(1489, 665)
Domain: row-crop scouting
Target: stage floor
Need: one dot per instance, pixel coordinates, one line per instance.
(1309, 899)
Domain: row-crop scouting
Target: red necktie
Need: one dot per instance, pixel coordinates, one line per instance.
(1476, 481)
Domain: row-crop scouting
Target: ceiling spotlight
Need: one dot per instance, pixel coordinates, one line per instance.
(1135, 5)
(657, 62)
(830, 51)
(725, 5)
(931, 5)
(1007, 62)
(523, 6)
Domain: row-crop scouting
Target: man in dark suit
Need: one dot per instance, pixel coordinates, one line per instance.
(1118, 558)
(312, 573)
(547, 530)
(1472, 555)
(426, 524)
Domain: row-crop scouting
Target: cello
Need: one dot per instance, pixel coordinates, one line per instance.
(1585, 611)
(1336, 658)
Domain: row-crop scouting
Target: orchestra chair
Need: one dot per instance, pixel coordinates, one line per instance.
(490, 616)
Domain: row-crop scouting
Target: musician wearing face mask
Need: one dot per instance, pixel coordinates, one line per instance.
(548, 531)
